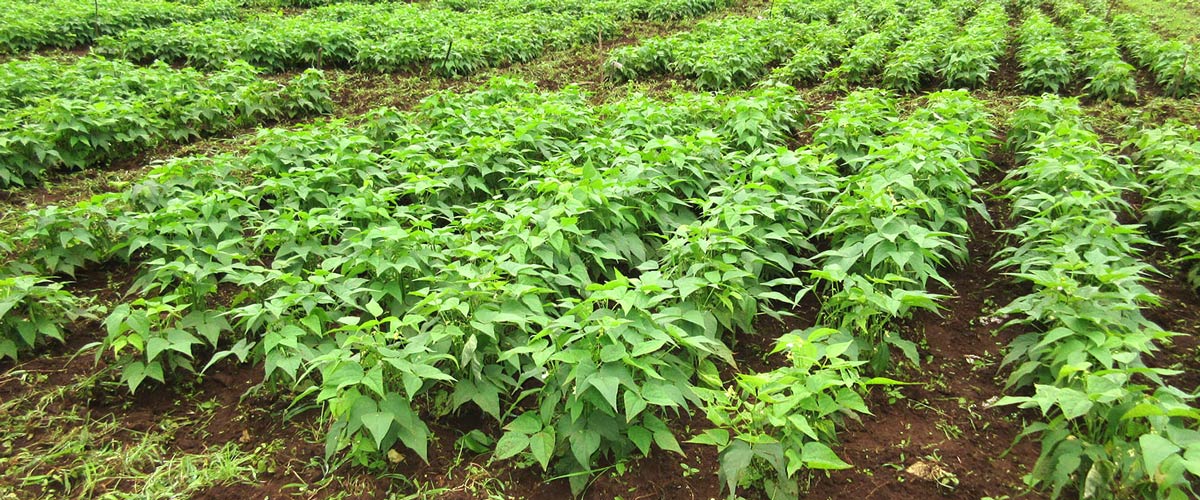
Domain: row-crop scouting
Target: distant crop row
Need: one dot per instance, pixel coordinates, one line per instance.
(898, 218)
(658, 10)
(908, 45)
(67, 116)
(390, 37)
(736, 51)
(29, 25)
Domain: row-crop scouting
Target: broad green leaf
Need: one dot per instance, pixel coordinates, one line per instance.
(819, 456)
(510, 444)
(378, 423)
(542, 446)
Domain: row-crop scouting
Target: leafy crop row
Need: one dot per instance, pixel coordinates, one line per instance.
(385, 37)
(866, 56)
(1108, 76)
(33, 310)
(29, 25)
(970, 59)
(802, 39)
(916, 59)
(1173, 62)
(1170, 156)
(572, 272)
(1045, 56)
(728, 53)
(899, 216)
(1114, 427)
(75, 115)
(658, 10)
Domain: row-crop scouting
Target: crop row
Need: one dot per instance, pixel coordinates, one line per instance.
(1170, 157)
(1173, 63)
(899, 215)
(916, 57)
(387, 37)
(1047, 63)
(737, 50)
(1107, 75)
(30, 25)
(573, 272)
(906, 44)
(1115, 428)
(63, 116)
(657, 10)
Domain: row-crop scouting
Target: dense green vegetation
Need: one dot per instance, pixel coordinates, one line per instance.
(579, 280)
(60, 116)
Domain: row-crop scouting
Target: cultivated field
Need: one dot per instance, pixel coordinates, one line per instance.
(636, 249)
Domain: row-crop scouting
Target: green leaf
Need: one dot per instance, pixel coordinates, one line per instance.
(819, 456)
(734, 461)
(1074, 403)
(607, 385)
(542, 446)
(1156, 449)
(379, 424)
(510, 444)
(528, 423)
(634, 404)
(641, 438)
(665, 440)
(1143, 410)
(584, 443)
(714, 437)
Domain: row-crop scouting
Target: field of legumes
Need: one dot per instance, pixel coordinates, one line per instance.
(602, 249)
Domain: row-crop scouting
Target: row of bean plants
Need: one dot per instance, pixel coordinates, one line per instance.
(1106, 74)
(970, 59)
(1114, 427)
(899, 214)
(1047, 63)
(1169, 157)
(866, 55)
(573, 272)
(656, 10)
(29, 25)
(64, 116)
(382, 37)
(903, 43)
(1173, 62)
(727, 53)
(912, 63)
(738, 50)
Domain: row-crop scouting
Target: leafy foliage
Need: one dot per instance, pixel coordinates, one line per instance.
(72, 116)
(1108, 75)
(31, 25)
(1046, 59)
(34, 309)
(970, 59)
(1173, 62)
(392, 36)
(1107, 433)
(574, 272)
(888, 228)
(1170, 159)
